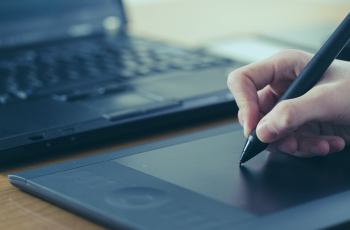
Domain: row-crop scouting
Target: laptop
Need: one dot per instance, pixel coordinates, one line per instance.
(70, 75)
(194, 182)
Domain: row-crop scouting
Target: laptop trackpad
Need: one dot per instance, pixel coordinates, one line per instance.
(116, 102)
(124, 101)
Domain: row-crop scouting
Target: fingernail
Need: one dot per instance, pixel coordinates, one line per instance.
(315, 150)
(283, 148)
(265, 132)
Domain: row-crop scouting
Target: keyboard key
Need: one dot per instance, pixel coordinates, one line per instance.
(4, 98)
(73, 75)
(111, 88)
(143, 70)
(32, 75)
(21, 94)
(8, 64)
(127, 74)
(71, 96)
(161, 67)
(130, 64)
(147, 60)
(36, 83)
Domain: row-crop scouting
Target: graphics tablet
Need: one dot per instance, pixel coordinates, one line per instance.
(194, 182)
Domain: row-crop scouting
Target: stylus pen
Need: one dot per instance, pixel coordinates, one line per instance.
(310, 75)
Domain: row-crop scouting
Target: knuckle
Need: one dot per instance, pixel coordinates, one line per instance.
(241, 105)
(285, 53)
(240, 119)
(233, 76)
(242, 102)
(298, 57)
(289, 52)
(287, 115)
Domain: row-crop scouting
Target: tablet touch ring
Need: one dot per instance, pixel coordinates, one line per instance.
(137, 198)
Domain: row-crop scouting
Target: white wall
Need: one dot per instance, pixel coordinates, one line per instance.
(143, 2)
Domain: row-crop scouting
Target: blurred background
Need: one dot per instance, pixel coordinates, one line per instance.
(238, 28)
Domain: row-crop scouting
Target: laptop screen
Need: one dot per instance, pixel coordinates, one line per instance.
(13, 10)
(28, 21)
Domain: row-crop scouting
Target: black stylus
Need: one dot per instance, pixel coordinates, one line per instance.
(310, 75)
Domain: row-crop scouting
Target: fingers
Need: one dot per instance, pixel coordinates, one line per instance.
(258, 86)
(278, 71)
(288, 115)
(301, 146)
(267, 99)
(308, 147)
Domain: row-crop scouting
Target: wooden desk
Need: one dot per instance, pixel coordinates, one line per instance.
(186, 22)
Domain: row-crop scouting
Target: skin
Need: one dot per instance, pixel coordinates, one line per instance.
(314, 124)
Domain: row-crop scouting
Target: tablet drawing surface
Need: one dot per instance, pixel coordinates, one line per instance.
(268, 183)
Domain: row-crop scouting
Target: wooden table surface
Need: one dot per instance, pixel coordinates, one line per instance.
(187, 22)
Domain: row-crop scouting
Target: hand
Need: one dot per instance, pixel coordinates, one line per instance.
(314, 124)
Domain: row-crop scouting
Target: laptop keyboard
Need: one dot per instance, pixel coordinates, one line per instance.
(50, 71)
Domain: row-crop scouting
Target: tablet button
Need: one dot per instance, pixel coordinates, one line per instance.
(137, 198)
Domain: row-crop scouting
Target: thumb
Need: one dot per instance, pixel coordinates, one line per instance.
(288, 115)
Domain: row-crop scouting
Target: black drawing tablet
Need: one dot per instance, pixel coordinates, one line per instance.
(194, 182)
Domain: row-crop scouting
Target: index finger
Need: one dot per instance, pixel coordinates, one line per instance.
(278, 71)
